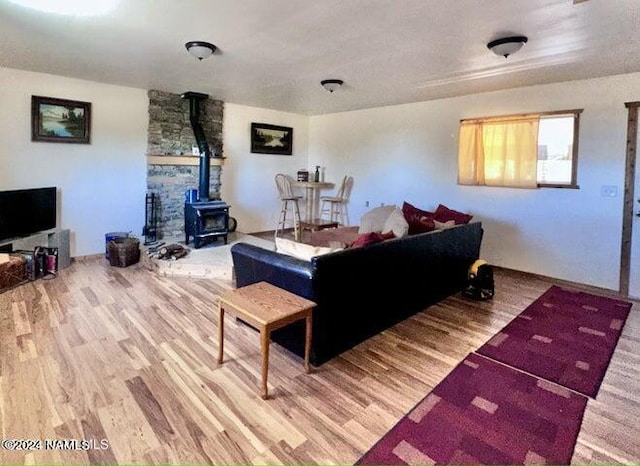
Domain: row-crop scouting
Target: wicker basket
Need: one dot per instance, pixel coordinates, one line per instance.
(12, 271)
(124, 252)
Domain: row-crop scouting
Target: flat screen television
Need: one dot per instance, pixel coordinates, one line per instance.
(27, 211)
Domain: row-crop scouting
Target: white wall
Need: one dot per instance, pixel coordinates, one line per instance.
(101, 186)
(409, 152)
(405, 152)
(248, 179)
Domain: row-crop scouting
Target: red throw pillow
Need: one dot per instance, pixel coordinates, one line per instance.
(409, 211)
(444, 214)
(374, 237)
(414, 217)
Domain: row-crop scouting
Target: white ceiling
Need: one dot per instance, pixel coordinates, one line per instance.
(274, 53)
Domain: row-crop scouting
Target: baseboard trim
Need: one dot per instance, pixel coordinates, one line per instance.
(568, 283)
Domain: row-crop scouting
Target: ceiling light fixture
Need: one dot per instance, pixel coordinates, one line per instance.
(332, 84)
(507, 45)
(200, 49)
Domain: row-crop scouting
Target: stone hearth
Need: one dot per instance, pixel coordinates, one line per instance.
(210, 261)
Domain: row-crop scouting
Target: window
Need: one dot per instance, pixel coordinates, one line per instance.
(522, 151)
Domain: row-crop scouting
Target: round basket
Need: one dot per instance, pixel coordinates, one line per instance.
(124, 252)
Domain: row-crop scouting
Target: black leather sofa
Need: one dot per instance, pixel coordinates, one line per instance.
(362, 291)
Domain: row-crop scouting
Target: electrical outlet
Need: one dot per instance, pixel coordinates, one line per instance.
(608, 191)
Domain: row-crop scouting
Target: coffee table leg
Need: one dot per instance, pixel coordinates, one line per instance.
(220, 332)
(307, 343)
(264, 343)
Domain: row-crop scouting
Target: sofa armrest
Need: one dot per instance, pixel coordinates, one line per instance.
(255, 264)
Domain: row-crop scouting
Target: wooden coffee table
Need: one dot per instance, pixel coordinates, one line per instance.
(265, 307)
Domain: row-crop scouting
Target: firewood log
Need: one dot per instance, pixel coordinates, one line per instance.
(179, 254)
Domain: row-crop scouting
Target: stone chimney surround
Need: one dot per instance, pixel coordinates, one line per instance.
(172, 169)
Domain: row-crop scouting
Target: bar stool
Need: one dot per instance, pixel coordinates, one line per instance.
(289, 201)
(334, 208)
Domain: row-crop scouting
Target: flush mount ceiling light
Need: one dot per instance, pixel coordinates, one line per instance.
(69, 7)
(200, 49)
(332, 84)
(507, 45)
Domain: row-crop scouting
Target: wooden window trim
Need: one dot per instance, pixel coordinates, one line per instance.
(559, 113)
(516, 116)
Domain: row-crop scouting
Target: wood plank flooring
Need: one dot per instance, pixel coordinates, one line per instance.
(130, 357)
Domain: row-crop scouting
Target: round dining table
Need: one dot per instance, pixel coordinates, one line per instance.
(313, 189)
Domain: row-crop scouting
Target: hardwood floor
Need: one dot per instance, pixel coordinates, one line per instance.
(130, 357)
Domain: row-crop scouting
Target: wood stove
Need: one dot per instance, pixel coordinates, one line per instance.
(207, 218)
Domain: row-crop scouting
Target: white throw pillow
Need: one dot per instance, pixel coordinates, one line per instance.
(396, 223)
(301, 250)
(373, 221)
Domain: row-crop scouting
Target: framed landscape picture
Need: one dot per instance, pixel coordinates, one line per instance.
(271, 139)
(59, 120)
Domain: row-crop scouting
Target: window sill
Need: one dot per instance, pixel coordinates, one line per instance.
(563, 186)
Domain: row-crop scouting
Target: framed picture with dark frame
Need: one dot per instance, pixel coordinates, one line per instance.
(60, 120)
(271, 139)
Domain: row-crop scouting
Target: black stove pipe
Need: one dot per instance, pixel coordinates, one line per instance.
(201, 140)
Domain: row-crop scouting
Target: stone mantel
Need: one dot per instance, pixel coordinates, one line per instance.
(181, 160)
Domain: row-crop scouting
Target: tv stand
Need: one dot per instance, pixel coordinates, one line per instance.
(54, 238)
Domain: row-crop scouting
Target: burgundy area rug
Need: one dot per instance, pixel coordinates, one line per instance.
(488, 413)
(564, 336)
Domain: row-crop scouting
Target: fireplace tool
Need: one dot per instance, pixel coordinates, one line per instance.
(150, 227)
